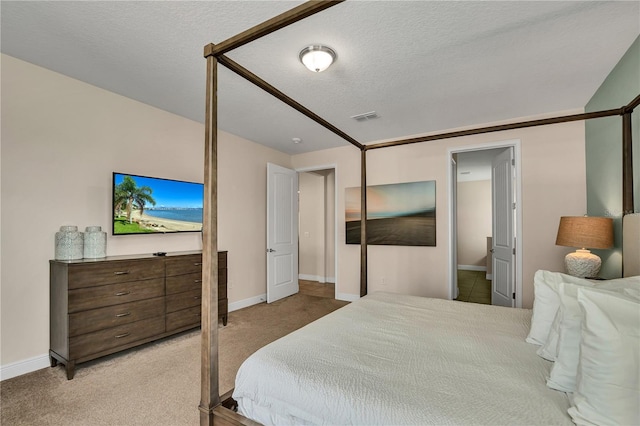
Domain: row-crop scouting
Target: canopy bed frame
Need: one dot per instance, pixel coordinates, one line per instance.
(210, 403)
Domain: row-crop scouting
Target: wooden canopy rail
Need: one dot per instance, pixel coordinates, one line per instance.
(210, 407)
(252, 78)
(267, 27)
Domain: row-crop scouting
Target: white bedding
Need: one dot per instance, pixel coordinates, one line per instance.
(393, 359)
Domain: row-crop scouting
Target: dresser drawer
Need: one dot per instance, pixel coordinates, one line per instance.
(190, 317)
(180, 283)
(183, 265)
(114, 294)
(184, 318)
(190, 263)
(184, 300)
(100, 273)
(112, 316)
(103, 340)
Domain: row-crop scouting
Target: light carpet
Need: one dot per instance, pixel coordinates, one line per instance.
(158, 383)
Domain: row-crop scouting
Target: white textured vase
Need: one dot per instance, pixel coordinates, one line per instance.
(582, 263)
(69, 243)
(95, 242)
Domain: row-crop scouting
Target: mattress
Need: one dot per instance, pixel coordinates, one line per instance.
(390, 359)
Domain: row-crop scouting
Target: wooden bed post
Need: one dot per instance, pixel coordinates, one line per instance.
(210, 392)
(363, 222)
(627, 165)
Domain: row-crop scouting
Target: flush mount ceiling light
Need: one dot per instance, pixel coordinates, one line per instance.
(317, 58)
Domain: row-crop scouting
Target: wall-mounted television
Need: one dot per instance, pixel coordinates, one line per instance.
(150, 205)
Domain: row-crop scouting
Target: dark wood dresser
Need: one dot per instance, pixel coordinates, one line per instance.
(102, 306)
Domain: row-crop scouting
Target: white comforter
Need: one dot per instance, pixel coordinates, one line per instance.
(393, 359)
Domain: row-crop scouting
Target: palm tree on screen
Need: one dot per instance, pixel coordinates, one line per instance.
(129, 195)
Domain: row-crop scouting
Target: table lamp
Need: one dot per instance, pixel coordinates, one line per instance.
(584, 232)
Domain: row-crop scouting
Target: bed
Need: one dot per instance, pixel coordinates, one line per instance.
(511, 368)
(399, 359)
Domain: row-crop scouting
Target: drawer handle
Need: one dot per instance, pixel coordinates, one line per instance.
(121, 273)
(197, 281)
(196, 297)
(125, 314)
(122, 293)
(120, 336)
(197, 264)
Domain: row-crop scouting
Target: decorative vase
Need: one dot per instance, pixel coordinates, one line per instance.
(95, 242)
(69, 243)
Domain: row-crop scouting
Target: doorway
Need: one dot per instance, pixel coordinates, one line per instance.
(484, 188)
(317, 231)
(284, 234)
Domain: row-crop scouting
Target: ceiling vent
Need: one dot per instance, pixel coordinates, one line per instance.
(371, 115)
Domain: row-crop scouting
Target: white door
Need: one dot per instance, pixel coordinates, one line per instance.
(502, 177)
(282, 232)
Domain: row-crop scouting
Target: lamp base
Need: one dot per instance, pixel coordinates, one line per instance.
(582, 263)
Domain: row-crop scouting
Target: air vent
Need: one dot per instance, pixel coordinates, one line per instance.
(371, 115)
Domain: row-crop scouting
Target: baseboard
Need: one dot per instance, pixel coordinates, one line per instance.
(19, 368)
(247, 302)
(317, 278)
(311, 277)
(471, 268)
(488, 277)
(347, 297)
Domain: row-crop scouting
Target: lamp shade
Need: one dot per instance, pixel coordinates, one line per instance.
(317, 58)
(585, 232)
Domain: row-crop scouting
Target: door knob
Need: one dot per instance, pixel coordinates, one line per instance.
(270, 250)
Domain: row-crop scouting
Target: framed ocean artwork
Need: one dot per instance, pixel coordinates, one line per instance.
(401, 214)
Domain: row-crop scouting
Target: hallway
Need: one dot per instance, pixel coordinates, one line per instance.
(314, 288)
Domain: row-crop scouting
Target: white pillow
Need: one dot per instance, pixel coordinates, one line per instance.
(567, 328)
(564, 371)
(546, 303)
(608, 383)
(549, 350)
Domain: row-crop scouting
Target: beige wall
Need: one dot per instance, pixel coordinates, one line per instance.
(61, 140)
(317, 225)
(312, 227)
(330, 226)
(553, 184)
(474, 222)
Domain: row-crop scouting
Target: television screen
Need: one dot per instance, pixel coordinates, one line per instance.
(148, 205)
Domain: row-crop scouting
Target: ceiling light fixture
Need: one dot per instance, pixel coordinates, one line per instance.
(317, 58)
(296, 140)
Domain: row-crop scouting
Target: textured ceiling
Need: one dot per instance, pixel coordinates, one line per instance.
(423, 66)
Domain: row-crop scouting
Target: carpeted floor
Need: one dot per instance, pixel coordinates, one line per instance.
(156, 384)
